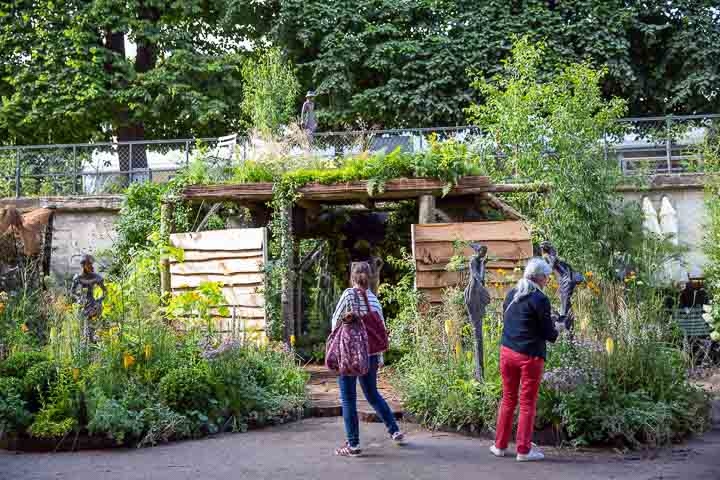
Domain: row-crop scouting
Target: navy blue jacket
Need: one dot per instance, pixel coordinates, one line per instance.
(527, 324)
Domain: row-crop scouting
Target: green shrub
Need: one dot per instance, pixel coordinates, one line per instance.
(38, 381)
(113, 419)
(161, 424)
(188, 389)
(13, 413)
(61, 411)
(237, 391)
(18, 363)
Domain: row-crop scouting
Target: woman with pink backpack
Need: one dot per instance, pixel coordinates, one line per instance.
(354, 350)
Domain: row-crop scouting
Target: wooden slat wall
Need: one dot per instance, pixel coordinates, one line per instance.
(509, 247)
(236, 259)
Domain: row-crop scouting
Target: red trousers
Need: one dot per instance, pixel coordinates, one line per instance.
(524, 373)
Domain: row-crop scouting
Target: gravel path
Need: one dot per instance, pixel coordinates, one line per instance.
(303, 450)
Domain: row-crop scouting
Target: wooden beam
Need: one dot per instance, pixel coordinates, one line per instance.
(166, 228)
(507, 210)
(519, 187)
(66, 204)
(348, 192)
(426, 209)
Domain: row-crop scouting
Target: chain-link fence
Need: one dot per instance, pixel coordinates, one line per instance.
(645, 146)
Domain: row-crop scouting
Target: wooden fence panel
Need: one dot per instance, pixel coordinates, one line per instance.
(509, 247)
(235, 259)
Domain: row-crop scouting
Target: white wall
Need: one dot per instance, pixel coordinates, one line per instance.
(690, 207)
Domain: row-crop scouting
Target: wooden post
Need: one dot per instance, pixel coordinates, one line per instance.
(166, 228)
(287, 300)
(426, 207)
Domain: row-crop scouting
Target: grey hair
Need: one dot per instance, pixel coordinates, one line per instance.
(536, 267)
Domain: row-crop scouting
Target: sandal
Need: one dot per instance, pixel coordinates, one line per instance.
(348, 451)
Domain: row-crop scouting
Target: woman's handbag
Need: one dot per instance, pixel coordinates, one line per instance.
(378, 340)
(346, 349)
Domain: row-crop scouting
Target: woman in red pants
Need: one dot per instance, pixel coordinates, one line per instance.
(527, 326)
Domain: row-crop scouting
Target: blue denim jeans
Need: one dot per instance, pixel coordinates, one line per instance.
(348, 396)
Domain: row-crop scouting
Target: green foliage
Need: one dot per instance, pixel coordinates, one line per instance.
(270, 91)
(195, 306)
(66, 75)
(550, 129)
(436, 376)
(621, 379)
(112, 418)
(38, 381)
(405, 63)
(711, 246)
(61, 410)
(19, 363)
(187, 389)
(139, 217)
(14, 415)
(400, 302)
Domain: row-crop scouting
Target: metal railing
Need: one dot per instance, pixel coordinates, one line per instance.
(668, 144)
(647, 145)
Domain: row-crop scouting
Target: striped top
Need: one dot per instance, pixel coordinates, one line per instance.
(345, 304)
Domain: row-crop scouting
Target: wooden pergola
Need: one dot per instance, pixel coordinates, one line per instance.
(472, 194)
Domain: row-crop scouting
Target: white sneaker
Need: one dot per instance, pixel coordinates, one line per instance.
(498, 452)
(399, 438)
(533, 455)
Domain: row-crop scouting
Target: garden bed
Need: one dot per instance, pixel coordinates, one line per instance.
(85, 441)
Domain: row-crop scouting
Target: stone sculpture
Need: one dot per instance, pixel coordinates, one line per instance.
(83, 289)
(567, 279)
(477, 298)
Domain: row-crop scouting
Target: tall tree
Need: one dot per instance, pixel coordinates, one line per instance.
(406, 62)
(68, 71)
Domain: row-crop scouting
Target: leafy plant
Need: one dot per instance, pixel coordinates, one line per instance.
(61, 410)
(187, 389)
(270, 91)
(14, 415)
(19, 363)
(551, 128)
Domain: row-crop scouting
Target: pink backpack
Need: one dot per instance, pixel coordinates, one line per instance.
(346, 349)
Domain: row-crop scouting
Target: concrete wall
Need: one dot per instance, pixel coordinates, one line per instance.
(689, 202)
(77, 233)
(80, 225)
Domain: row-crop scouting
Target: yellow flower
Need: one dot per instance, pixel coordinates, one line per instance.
(24, 328)
(292, 340)
(448, 327)
(76, 373)
(458, 349)
(148, 351)
(128, 360)
(469, 356)
(609, 345)
(588, 274)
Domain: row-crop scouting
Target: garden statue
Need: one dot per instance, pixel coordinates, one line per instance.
(477, 298)
(308, 121)
(87, 280)
(568, 280)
